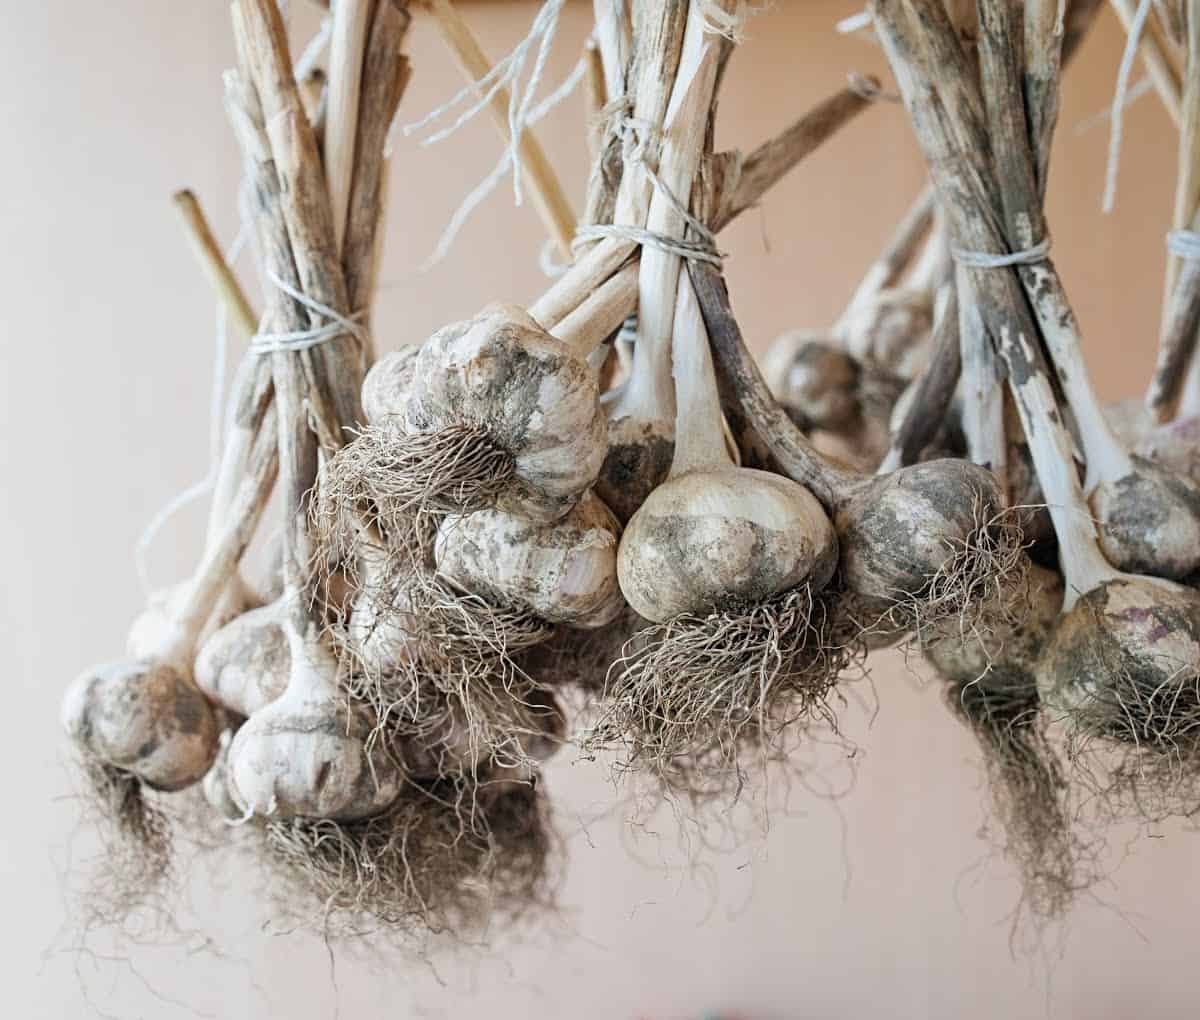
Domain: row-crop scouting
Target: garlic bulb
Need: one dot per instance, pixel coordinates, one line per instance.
(155, 623)
(815, 379)
(1149, 520)
(708, 538)
(890, 330)
(638, 459)
(714, 533)
(146, 717)
(306, 754)
(387, 385)
(1124, 662)
(1006, 643)
(565, 572)
(525, 394)
(898, 531)
(216, 784)
(244, 665)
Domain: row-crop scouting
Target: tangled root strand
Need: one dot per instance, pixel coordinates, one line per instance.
(689, 696)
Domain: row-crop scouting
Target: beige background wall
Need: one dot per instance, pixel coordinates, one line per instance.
(881, 904)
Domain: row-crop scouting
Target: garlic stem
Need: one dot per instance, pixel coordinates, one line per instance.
(586, 328)
(613, 39)
(684, 127)
(1001, 299)
(982, 387)
(760, 171)
(699, 426)
(351, 19)
(226, 548)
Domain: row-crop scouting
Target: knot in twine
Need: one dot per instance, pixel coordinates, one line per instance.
(866, 87)
(992, 260)
(1184, 243)
(305, 339)
(636, 137)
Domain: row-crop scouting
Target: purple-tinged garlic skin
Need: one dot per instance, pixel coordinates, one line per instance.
(563, 572)
(708, 538)
(527, 393)
(305, 755)
(1003, 645)
(1128, 643)
(898, 530)
(639, 458)
(1149, 522)
(386, 388)
(146, 717)
(244, 666)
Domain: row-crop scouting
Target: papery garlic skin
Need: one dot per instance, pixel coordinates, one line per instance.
(564, 572)
(814, 378)
(305, 754)
(244, 666)
(709, 538)
(528, 393)
(156, 626)
(216, 784)
(146, 717)
(387, 386)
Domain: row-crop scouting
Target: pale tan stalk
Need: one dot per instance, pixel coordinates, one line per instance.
(336, 367)
(348, 43)
(650, 391)
(208, 252)
(386, 73)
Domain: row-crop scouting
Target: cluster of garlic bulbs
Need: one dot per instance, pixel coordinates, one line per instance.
(600, 500)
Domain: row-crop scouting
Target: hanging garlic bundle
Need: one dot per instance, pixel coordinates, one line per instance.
(1122, 661)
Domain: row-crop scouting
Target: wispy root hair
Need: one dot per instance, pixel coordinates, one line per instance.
(689, 697)
(448, 858)
(1029, 794)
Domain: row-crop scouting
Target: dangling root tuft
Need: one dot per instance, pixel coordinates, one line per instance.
(1029, 792)
(134, 865)
(688, 697)
(404, 475)
(448, 858)
(459, 674)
